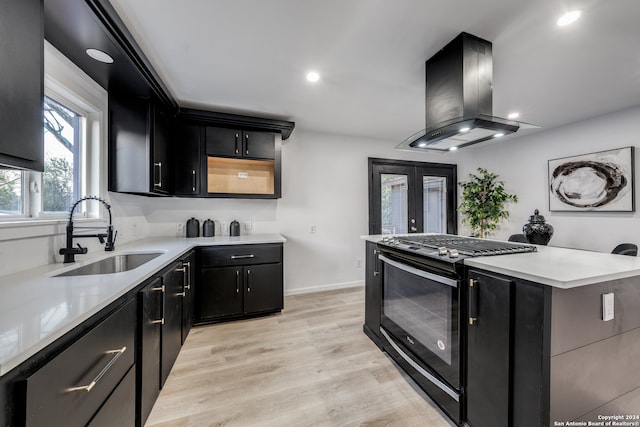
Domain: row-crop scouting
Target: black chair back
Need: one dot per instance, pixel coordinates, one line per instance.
(626, 249)
(520, 238)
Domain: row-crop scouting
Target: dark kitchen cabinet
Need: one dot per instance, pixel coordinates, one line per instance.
(239, 280)
(71, 388)
(225, 142)
(21, 84)
(488, 350)
(151, 318)
(189, 159)
(373, 294)
(188, 285)
(173, 283)
(139, 134)
(119, 409)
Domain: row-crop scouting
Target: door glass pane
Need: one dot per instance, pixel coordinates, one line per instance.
(394, 203)
(434, 194)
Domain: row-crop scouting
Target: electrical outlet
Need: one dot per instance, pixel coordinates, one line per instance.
(224, 228)
(248, 224)
(358, 263)
(179, 229)
(312, 228)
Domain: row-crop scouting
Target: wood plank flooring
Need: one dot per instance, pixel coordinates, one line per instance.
(311, 365)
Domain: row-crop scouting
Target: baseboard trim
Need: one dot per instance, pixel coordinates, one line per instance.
(331, 287)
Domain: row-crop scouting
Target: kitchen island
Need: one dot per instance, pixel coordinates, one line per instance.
(546, 337)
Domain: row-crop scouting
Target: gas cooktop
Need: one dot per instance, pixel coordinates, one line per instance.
(453, 247)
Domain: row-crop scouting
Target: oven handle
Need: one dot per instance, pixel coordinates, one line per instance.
(418, 272)
(442, 386)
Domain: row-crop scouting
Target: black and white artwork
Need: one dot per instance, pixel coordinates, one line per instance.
(601, 181)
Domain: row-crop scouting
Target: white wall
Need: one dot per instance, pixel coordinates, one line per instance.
(522, 164)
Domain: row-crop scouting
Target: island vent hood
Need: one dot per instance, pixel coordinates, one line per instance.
(459, 98)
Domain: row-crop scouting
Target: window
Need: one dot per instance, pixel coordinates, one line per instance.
(74, 114)
(60, 180)
(11, 183)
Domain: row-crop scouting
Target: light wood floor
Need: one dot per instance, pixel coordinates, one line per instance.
(311, 365)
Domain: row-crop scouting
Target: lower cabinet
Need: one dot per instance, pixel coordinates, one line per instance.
(188, 285)
(162, 304)
(488, 350)
(94, 372)
(238, 281)
(120, 408)
(373, 294)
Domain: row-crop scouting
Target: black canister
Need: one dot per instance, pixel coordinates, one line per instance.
(537, 231)
(234, 228)
(208, 228)
(193, 228)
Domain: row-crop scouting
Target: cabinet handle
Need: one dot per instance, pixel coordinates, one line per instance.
(246, 144)
(159, 183)
(237, 281)
(473, 301)
(193, 173)
(92, 384)
(376, 262)
(242, 256)
(161, 320)
(248, 280)
(237, 137)
(187, 266)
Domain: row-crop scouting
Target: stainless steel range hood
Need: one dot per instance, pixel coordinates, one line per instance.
(459, 98)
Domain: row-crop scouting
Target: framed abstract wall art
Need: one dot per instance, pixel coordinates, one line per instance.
(601, 181)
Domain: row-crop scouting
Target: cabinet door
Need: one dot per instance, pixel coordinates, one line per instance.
(188, 264)
(258, 145)
(373, 293)
(21, 84)
(188, 167)
(263, 288)
(151, 300)
(223, 142)
(488, 350)
(160, 146)
(220, 292)
(172, 327)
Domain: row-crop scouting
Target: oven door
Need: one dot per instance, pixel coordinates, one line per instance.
(420, 311)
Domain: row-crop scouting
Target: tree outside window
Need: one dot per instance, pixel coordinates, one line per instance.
(61, 136)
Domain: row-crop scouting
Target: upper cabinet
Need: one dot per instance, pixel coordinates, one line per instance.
(21, 84)
(138, 146)
(188, 156)
(240, 143)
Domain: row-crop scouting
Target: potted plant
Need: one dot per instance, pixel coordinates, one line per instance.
(483, 202)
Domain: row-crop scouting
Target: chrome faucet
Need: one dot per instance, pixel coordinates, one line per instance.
(69, 251)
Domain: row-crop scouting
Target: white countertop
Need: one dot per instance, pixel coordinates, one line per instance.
(558, 267)
(36, 308)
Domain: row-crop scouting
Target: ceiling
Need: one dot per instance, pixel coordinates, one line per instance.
(251, 57)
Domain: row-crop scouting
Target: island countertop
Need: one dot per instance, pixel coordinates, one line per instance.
(37, 308)
(553, 266)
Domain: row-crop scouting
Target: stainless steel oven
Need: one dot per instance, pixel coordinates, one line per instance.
(421, 308)
(420, 321)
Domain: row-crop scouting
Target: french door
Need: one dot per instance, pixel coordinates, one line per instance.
(411, 197)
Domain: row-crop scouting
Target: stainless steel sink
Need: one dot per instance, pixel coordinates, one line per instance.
(113, 264)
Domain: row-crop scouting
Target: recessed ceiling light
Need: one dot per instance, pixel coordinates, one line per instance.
(99, 55)
(498, 135)
(569, 18)
(465, 129)
(313, 76)
(513, 115)
(422, 144)
(453, 148)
